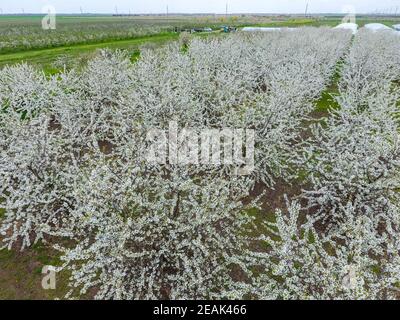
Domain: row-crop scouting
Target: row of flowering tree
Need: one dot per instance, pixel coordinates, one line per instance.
(27, 36)
(340, 238)
(73, 167)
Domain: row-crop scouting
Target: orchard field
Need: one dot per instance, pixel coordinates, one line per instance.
(316, 217)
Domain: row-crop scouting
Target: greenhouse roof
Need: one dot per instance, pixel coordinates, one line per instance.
(348, 26)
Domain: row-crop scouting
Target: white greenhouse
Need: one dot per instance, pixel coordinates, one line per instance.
(348, 26)
(396, 27)
(377, 27)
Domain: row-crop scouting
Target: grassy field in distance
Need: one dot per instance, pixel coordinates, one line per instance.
(45, 57)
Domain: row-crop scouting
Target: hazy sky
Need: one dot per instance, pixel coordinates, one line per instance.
(196, 6)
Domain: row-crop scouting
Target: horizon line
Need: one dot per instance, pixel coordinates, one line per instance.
(199, 13)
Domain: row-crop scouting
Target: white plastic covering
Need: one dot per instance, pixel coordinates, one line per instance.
(377, 27)
(396, 27)
(348, 26)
